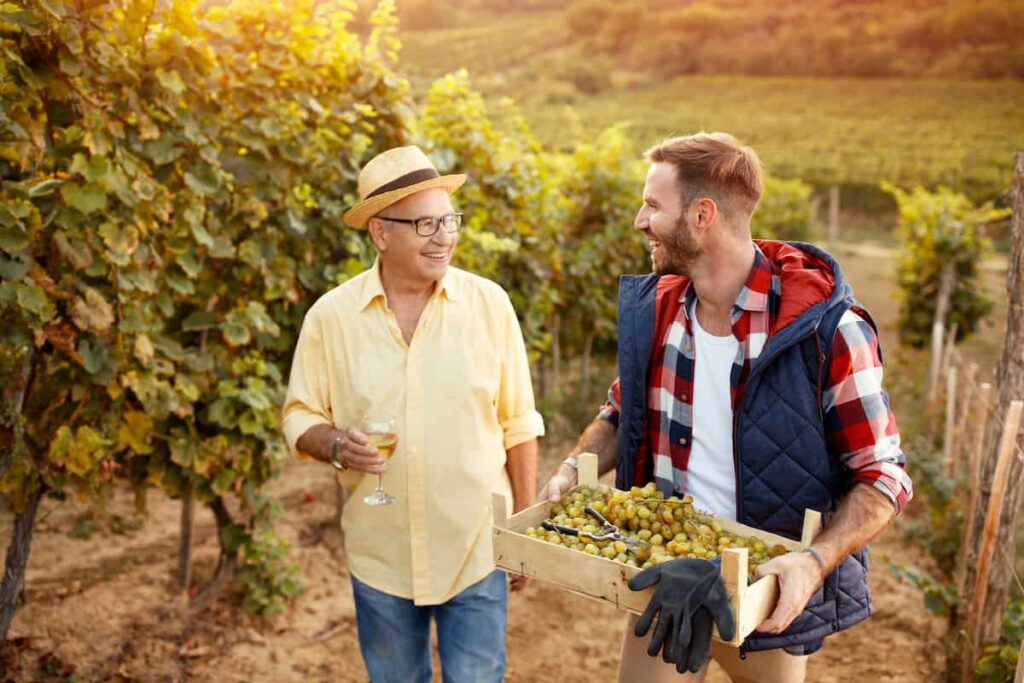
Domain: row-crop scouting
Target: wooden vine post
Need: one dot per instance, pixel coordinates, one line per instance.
(833, 216)
(954, 451)
(977, 451)
(948, 438)
(946, 287)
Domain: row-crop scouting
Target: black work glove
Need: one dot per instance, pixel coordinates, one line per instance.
(690, 595)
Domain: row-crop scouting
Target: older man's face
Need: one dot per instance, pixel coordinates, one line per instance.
(406, 254)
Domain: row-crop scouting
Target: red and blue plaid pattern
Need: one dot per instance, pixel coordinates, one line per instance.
(859, 424)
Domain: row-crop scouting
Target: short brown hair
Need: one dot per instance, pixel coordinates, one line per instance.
(713, 165)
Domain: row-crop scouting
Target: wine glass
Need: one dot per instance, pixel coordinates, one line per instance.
(383, 436)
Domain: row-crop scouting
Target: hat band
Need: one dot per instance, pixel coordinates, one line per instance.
(405, 181)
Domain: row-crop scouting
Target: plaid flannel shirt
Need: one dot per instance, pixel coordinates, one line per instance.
(860, 427)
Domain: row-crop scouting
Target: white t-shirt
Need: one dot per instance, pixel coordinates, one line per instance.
(710, 473)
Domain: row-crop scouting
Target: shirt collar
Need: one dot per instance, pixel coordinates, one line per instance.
(374, 288)
(754, 295)
(762, 278)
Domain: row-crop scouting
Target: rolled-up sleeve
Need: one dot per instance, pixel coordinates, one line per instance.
(859, 423)
(307, 402)
(517, 411)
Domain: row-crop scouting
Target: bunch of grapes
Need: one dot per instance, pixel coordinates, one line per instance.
(671, 527)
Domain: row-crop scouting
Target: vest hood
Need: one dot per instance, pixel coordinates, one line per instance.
(809, 277)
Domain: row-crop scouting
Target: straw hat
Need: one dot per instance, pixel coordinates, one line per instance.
(393, 175)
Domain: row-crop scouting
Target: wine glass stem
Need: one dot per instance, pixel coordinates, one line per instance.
(380, 483)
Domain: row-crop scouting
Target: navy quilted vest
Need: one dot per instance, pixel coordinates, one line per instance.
(782, 459)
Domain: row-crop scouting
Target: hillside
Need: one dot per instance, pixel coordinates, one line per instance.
(851, 131)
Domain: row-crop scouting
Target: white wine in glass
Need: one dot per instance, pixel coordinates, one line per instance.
(382, 435)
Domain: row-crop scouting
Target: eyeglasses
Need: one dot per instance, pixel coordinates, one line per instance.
(427, 226)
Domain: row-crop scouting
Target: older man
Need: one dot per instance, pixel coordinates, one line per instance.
(440, 351)
(750, 379)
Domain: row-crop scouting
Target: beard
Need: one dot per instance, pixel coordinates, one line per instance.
(681, 250)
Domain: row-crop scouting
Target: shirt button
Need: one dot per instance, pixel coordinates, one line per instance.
(682, 442)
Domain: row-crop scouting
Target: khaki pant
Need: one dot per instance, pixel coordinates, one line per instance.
(769, 666)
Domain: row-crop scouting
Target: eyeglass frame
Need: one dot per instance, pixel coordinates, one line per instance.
(435, 221)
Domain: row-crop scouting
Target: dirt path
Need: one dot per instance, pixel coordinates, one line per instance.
(106, 607)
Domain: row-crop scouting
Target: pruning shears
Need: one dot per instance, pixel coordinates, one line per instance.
(607, 532)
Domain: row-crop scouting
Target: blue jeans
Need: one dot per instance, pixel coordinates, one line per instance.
(394, 634)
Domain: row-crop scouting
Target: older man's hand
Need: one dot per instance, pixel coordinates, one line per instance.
(560, 482)
(799, 576)
(355, 453)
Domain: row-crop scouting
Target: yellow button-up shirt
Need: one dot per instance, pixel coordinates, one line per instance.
(461, 395)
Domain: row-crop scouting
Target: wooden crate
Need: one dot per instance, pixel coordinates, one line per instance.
(603, 579)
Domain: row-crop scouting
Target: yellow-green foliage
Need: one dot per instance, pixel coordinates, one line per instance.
(173, 183)
(940, 228)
